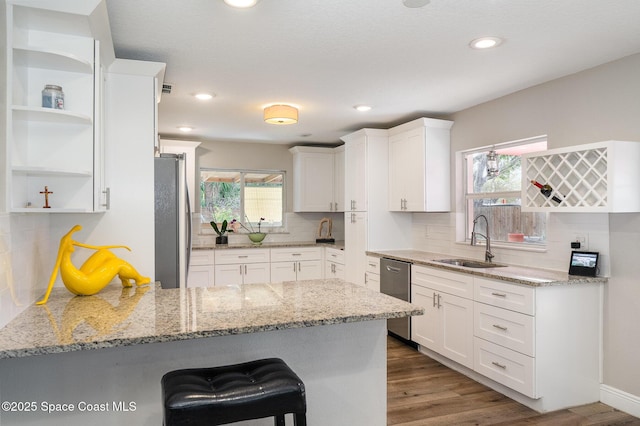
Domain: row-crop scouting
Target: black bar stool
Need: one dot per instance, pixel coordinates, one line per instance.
(232, 393)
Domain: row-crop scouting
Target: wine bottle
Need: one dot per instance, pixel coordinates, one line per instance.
(546, 190)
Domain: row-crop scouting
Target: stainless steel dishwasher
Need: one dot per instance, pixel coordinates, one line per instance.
(395, 280)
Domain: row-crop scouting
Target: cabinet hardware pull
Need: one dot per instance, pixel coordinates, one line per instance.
(365, 278)
(240, 269)
(245, 269)
(296, 254)
(497, 364)
(372, 264)
(294, 266)
(439, 297)
(299, 266)
(107, 198)
(434, 299)
(335, 207)
(500, 327)
(334, 255)
(498, 294)
(243, 257)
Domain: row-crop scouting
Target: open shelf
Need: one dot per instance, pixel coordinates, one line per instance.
(50, 115)
(45, 171)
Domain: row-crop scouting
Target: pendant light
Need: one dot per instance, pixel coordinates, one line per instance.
(492, 164)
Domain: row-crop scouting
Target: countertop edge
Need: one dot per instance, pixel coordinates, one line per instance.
(134, 341)
(514, 274)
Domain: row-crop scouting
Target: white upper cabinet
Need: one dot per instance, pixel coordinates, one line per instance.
(356, 173)
(338, 178)
(598, 177)
(57, 147)
(419, 166)
(314, 180)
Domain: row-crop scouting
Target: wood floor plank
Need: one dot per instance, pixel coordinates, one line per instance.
(423, 392)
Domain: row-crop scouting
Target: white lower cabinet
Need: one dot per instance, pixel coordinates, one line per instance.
(539, 345)
(201, 269)
(372, 273)
(447, 325)
(334, 263)
(242, 266)
(296, 264)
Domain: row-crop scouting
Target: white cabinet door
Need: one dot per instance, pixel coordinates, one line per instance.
(456, 321)
(356, 174)
(372, 281)
(283, 271)
(419, 166)
(447, 325)
(228, 274)
(309, 270)
(425, 328)
(355, 231)
(201, 276)
(313, 179)
(334, 270)
(256, 273)
(338, 179)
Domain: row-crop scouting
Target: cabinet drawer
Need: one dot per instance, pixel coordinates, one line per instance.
(512, 369)
(202, 257)
(232, 256)
(373, 265)
(296, 254)
(439, 280)
(335, 255)
(510, 329)
(504, 295)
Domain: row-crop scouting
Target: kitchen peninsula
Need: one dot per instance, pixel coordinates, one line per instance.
(103, 355)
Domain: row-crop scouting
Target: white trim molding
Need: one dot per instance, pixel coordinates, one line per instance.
(620, 400)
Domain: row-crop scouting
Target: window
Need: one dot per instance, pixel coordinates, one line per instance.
(244, 195)
(498, 197)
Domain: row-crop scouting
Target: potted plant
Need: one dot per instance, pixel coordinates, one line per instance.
(221, 238)
(255, 237)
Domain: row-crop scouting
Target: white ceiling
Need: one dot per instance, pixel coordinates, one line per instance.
(328, 55)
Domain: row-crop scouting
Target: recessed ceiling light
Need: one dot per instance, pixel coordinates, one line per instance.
(241, 4)
(204, 96)
(485, 42)
(414, 4)
(185, 129)
(363, 108)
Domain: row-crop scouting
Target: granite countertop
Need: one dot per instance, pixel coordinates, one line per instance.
(515, 274)
(283, 244)
(148, 314)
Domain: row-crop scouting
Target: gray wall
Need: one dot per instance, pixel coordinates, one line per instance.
(599, 104)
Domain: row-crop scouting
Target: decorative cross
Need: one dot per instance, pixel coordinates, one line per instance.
(46, 193)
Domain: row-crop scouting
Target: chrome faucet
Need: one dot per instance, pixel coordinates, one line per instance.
(487, 254)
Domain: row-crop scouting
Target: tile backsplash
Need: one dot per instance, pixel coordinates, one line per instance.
(436, 232)
(25, 258)
(299, 227)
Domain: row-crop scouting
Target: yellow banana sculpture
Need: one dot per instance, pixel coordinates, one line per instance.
(95, 274)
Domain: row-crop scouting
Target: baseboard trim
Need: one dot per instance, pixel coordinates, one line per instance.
(620, 400)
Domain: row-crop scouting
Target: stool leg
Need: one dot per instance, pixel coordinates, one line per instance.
(279, 420)
(300, 419)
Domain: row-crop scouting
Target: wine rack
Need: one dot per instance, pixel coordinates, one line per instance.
(599, 177)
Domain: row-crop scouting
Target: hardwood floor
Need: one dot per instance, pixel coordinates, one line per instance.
(421, 391)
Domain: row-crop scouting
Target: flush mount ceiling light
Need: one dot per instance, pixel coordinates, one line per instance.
(185, 129)
(414, 4)
(362, 108)
(241, 4)
(281, 114)
(203, 96)
(485, 42)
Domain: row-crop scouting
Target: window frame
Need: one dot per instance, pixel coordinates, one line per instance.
(468, 197)
(243, 173)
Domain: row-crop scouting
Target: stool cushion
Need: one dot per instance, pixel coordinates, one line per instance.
(220, 395)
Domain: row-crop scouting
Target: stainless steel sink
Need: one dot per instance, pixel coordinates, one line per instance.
(469, 263)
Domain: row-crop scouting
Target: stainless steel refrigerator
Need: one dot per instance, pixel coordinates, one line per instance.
(172, 221)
